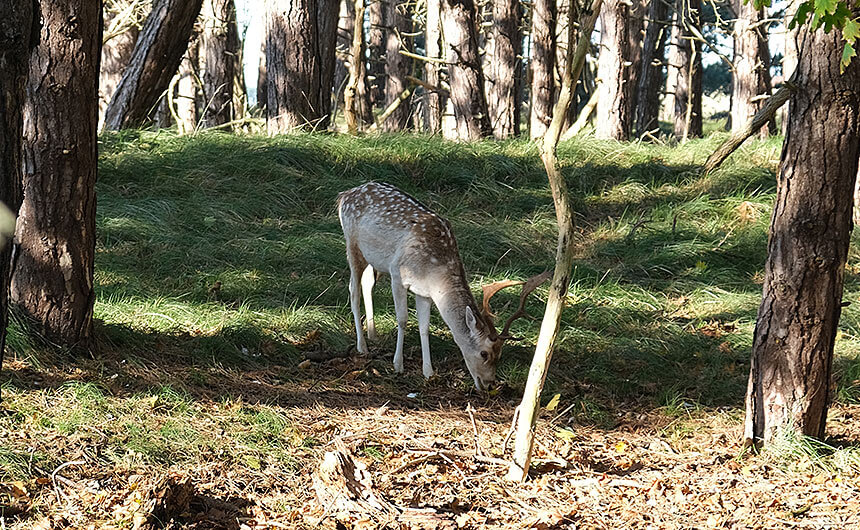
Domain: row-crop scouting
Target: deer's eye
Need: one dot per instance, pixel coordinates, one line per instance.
(485, 355)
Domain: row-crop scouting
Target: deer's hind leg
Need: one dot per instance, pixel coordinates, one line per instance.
(368, 278)
(357, 265)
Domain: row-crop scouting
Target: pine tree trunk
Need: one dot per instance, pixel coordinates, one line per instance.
(507, 43)
(751, 75)
(299, 64)
(19, 33)
(188, 89)
(377, 10)
(345, 33)
(220, 44)
(52, 277)
(789, 60)
(156, 57)
(432, 43)
(614, 112)
(262, 79)
(464, 69)
(651, 75)
(792, 354)
(544, 15)
(397, 65)
(635, 36)
(685, 71)
(121, 34)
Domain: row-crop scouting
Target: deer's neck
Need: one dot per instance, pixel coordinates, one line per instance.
(452, 305)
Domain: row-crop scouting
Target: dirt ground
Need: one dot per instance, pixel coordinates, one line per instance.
(648, 469)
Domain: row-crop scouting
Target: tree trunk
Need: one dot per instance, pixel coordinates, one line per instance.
(121, 31)
(464, 69)
(433, 48)
(345, 33)
(685, 71)
(52, 276)
(357, 107)
(792, 353)
(397, 65)
(651, 75)
(789, 60)
(299, 63)
(377, 10)
(526, 414)
(188, 89)
(220, 44)
(751, 76)
(504, 94)
(156, 57)
(542, 64)
(614, 112)
(262, 79)
(19, 33)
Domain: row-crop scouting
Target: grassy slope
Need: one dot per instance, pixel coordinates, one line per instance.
(661, 308)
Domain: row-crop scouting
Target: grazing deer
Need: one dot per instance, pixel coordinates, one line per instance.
(388, 231)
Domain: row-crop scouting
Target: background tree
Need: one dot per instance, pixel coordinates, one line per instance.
(376, 43)
(464, 69)
(651, 66)
(122, 21)
(262, 79)
(684, 77)
(544, 13)
(504, 94)
(221, 47)
(52, 276)
(19, 33)
(187, 99)
(433, 49)
(299, 63)
(751, 76)
(156, 57)
(792, 354)
(397, 65)
(614, 109)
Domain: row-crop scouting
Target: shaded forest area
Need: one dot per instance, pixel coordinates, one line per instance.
(176, 339)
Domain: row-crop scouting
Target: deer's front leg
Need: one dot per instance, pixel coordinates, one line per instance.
(401, 311)
(422, 310)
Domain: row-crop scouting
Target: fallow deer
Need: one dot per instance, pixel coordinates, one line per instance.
(388, 231)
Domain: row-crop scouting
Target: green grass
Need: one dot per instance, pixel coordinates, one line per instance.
(664, 290)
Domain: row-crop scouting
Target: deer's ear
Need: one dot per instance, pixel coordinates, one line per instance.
(471, 322)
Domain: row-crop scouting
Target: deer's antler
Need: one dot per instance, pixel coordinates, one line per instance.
(528, 286)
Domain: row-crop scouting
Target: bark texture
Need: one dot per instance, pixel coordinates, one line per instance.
(156, 57)
(221, 45)
(120, 35)
(300, 44)
(52, 277)
(262, 79)
(504, 94)
(376, 45)
(464, 69)
(187, 97)
(651, 74)
(792, 353)
(751, 76)
(544, 14)
(685, 71)
(397, 65)
(433, 48)
(357, 109)
(19, 33)
(614, 110)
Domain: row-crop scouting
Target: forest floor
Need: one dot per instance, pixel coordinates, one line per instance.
(223, 369)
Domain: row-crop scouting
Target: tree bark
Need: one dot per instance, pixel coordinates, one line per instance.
(792, 353)
(300, 42)
(357, 109)
(221, 45)
(345, 33)
(19, 33)
(544, 14)
(751, 76)
(464, 69)
(433, 48)
(377, 10)
(685, 71)
(156, 57)
(651, 74)
(262, 79)
(614, 110)
(526, 414)
(52, 276)
(188, 89)
(121, 31)
(505, 63)
(397, 65)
